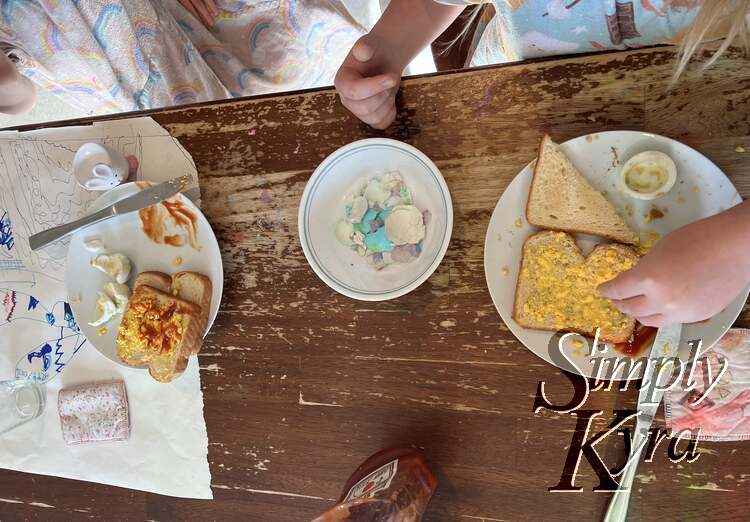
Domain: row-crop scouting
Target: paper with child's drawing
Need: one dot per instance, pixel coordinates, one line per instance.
(168, 446)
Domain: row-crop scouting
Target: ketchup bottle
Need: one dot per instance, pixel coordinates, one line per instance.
(394, 485)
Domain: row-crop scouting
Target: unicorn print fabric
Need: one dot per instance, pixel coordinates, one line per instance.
(524, 29)
(123, 55)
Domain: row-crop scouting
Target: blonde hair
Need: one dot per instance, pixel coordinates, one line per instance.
(726, 19)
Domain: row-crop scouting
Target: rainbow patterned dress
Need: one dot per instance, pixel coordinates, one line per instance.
(121, 55)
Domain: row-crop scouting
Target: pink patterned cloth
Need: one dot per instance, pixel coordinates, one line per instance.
(724, 415)
(94, 412)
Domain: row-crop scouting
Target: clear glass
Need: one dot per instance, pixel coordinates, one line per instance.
(20, 402)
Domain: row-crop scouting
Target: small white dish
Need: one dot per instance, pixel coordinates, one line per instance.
(98, 167)
(124, 234)
(648, 175)
(323, 204)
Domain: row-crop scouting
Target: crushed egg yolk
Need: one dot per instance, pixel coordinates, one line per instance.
(150, 325)
(563, 288)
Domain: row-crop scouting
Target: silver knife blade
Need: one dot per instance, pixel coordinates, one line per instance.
(151, 196)
(144, 198)
(666, 345)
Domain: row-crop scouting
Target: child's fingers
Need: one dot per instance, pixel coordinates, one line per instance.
(656, 320)
(364, 49)
(385, 122)
(372, 104)
(212, 8)
(624, 286)
(382, 117)
(638, 306)
(188, 5)
(352, 85)
(204, 15)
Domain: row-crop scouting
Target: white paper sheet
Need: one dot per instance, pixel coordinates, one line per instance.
(168, 446)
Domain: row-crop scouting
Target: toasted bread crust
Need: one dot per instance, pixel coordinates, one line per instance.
(547, 225)
(200, 287)
(158, 280)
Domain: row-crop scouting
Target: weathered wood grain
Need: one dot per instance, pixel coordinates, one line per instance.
(301, 384)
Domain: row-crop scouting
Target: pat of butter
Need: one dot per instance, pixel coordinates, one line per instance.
(648, 175)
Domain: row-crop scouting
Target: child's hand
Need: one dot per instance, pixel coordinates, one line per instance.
(17, 93)
(368, 79)
(690, 275)
(204, 11)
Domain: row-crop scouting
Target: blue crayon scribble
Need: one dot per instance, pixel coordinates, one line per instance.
(36, 365)
(6, 233)
(42, 354)
(68, 316)
(59, 351)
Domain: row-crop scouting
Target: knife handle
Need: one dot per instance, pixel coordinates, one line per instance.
(44, 238)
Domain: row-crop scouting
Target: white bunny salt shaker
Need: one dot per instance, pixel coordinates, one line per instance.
(98, 167)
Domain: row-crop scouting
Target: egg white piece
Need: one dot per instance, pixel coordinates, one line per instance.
(117, 266)
(106, 309)
(119, 293)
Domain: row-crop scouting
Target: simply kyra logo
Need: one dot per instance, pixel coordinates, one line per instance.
(667, 373)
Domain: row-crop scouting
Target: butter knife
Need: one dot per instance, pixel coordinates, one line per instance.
(144, 198)
(665, 345)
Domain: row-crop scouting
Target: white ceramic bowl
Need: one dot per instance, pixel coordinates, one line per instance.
(322, 206)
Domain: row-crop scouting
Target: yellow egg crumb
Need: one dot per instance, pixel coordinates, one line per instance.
(696, 188)
(646, 241)
(519, 223)
(505, 270)
(102, 330)
(680, 200)
(739, 149)
(578, 343)
(589, 138)
(178, 260)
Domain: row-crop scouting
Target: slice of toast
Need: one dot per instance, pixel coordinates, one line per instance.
(158, 280)
(557, 287)
(158, 329)
(196, 288)
(560, 198)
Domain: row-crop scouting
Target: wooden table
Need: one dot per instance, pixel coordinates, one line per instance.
(301, 384)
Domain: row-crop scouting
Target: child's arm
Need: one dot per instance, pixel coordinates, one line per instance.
(368, 79)
(17, 93)
(691, 274)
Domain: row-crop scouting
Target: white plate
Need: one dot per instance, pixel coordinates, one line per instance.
(124, 234)
(701, 190)
(323, 203)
